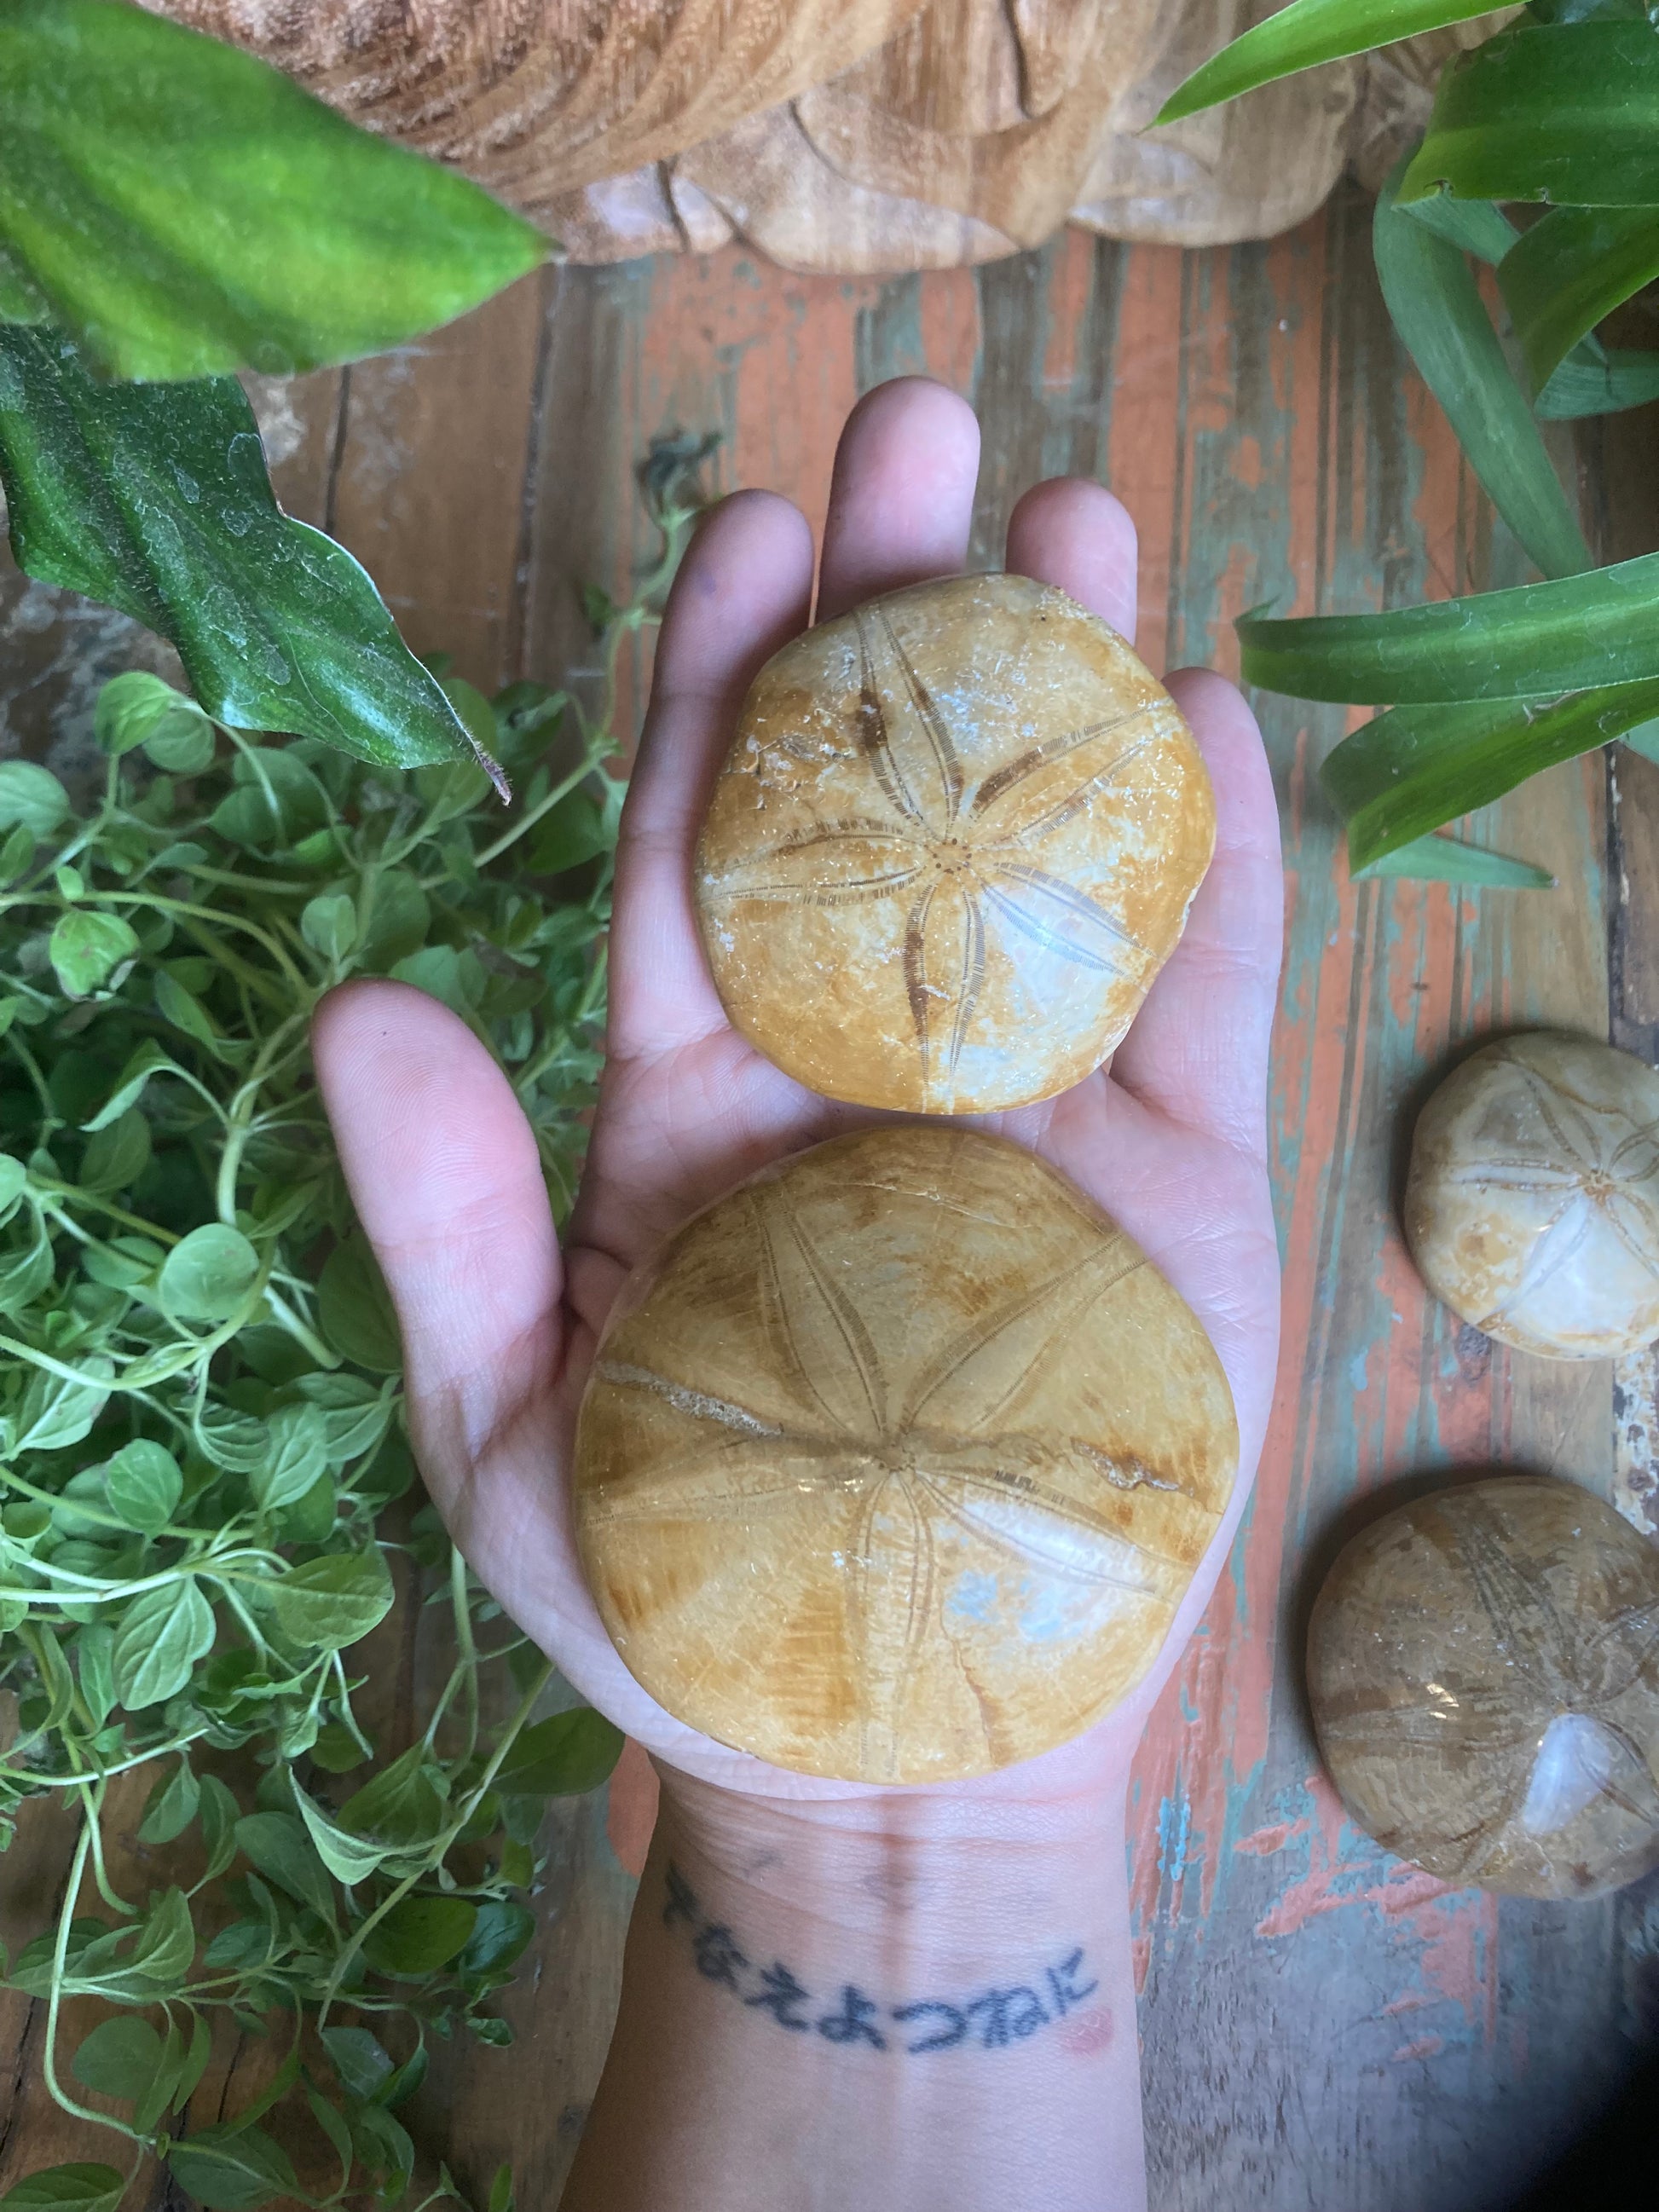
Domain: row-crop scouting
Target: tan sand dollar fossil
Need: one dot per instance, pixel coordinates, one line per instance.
(1483, 1666)
(1532, 1208)
(955, 839)
(897, 1461)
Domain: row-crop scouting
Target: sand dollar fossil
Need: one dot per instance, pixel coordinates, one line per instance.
(895, 1462)
(955, 837)
(1532, 1208)
(1483, 1666)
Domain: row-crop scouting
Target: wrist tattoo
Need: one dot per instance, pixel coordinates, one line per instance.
(988, 2020)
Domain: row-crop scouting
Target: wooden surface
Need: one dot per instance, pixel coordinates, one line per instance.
(1324, 2029)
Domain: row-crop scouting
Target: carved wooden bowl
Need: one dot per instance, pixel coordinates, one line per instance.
(1532, 1208)
(896, 1463)
(1483, 1666)
(956, 836)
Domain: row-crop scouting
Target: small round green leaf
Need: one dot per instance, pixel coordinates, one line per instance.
(356, 1309)
(143, 1485)
(32, 796)
(87, 946)
(140, 709)
(163, 1632)
(333, 1601)
(232, 2169)
(118, 2058)
(208, 1275)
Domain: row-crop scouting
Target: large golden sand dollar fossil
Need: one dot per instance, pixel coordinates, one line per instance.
(897, 1461)
(955, 839)
(1532, 1208)
(1483, 1666)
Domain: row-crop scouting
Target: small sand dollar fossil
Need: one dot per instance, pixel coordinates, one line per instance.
(895, 1462)
(1532, 1208)
(956, 838)
(1483, 1666)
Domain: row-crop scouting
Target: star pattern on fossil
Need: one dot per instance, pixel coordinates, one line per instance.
(1606, 1170)
(1553, 1669)
(956, 854)
(905, 1462)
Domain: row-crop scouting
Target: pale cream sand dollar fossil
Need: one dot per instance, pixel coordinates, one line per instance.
(895, 1462)
(956, 836)
(1483, 1666)
(1532, 1207)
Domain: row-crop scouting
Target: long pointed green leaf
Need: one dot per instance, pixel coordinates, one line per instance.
(186, 208)
(1307, 33)
(1408, 771)
(1571, 268)
(155, 499)
(1568, 113)
(1437, 310)
(1538, 640)
(1596, 379)
(1477, 226)
(1438, 860)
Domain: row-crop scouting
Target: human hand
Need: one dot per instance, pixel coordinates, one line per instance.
(500, 1327)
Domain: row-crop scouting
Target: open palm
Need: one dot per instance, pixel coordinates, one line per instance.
(500, 1329)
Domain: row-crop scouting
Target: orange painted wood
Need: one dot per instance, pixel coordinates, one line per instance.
(1323, 2029)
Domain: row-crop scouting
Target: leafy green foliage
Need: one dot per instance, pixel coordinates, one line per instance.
(1567, 113)
(202, 1446)
(1437, 310)
(1305, 33)
(1598, 379)
(154, 499)
(1530, 641)
(183, 208)
(1568, 270)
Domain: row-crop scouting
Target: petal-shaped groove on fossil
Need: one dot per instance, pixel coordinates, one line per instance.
(1483, 1666)
(956, 838)
(896, 1463)
(1532, 1208)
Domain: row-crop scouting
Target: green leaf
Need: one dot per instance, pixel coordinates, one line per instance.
(419, 1935)
(1596, 379)
(219, 1812)
(32, 796)
(280, 1847)
(1570, 270)
(503, 1931)
(155, 500)
(87, 946)
(1407, 772)
(1438, 860)
(354, 1307)
(95, 1648)
(143, 1483)
(295, 1459)
(77, 2188)
(172, 1806)
(333, 1601)
(148, 1059)
(574, 832)
(401, 1808)
(208, 1274)
(360, 2060)
(1437, 310)
(348, 1859)
(333, 2125)
(569, 1752)
(185, 207)
(167, 1942)
(329, 926)
(119, 2058)
(1305, 34)
(117, 1156)
(1536, 640)
(501, 2189)
(1567, 113)
(232, 2169)
(1475, 226)
(163, 1632)
(140, 709)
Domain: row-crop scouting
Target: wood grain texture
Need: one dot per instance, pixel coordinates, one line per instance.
(1324, 2031)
